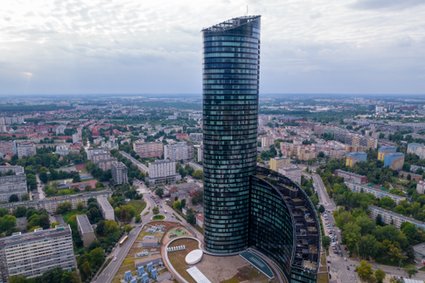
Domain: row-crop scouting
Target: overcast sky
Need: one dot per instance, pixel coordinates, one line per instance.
(155, 46)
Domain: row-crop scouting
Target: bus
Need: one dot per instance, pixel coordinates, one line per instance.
(122, 241)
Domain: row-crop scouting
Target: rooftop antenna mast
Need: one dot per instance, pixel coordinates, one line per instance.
(246, 10)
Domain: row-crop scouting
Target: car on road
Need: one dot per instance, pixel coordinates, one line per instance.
(114, 259)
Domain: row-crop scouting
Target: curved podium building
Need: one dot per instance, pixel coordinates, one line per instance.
(246, 206)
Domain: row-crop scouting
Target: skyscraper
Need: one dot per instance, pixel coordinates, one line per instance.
(247, 206)
(230, 111)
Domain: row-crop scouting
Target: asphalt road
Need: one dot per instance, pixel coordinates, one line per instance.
(120, 252)
(342, 268)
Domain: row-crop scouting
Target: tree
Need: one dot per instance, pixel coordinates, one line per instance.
(159, 192)
(379, 275)
(64, 207)
(190, 217)
(155, 210)
(321, 208)
(326, 242)
(20, 211)
(198, 174)
(411, 270)
(13, 198)
(125, 212)
(177, 205)
(364, 270)
(96, 257)
(7, 224)
(368, 246)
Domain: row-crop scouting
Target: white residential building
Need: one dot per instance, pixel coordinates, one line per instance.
(24, 148)
(180, 151)
(119, 173)
(32, 254)
(162, 171)
(106, 208)
(377, 192)
(13, 181)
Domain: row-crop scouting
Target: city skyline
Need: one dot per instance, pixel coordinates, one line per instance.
(71, 47)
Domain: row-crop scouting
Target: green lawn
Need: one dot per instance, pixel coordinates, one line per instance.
(139, 205)
(158, 217)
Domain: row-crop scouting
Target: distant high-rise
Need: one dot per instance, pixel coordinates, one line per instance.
(230, 113)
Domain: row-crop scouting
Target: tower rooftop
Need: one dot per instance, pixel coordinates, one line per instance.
(231, 24)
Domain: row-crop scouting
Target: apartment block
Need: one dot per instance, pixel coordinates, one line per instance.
(392, 218)
(162, 171)
(6, 148)
(13, 181)
(384, 150)
(354, 157)
(416, 148)
(32, 254)
(351, 177)
(119, 173)
(394, 160)
(85, 229)
(148, 149)
(106, 208)
(24, 148)
(377, 192)
(180, 151)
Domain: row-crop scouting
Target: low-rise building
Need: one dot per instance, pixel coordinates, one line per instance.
(378, 192)
(32, 254)
(279, 162)
(351, 177)
(85, 229)
(13, 181)
(196, 137)
(200, 220)
(419, 251)
(394, 160)
(62, 149)
(420, 187)
(354, 157)
(6, 148)
(392, 218)
(106, 208)
(292, 172)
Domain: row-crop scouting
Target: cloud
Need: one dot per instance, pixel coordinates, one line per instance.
(156, 46)
(386, 4)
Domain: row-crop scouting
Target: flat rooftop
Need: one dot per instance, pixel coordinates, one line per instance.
(84, 224)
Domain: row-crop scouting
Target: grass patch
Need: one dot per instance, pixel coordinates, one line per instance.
(138, 205)
(158, 217)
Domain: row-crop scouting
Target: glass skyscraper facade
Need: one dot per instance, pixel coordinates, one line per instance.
(246, 206)
(230, 112)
